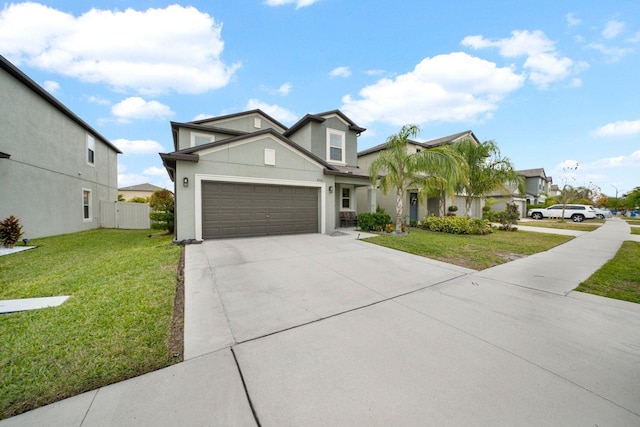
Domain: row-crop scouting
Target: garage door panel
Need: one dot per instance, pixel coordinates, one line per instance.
(243, 210)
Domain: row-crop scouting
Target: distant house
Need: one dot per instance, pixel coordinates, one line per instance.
(538, 185)
(508, 193)
(417, 209)
(140, 190)
(246, 174)
(55, 169)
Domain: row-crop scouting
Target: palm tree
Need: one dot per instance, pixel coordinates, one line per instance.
(401, 169)
(487, 170)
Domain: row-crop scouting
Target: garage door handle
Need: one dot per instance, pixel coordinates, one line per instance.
(267, 216)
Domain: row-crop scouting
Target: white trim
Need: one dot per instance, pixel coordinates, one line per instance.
(90, 219)
(91, 145)
(343, 136)
(193, 135)
(198, 178)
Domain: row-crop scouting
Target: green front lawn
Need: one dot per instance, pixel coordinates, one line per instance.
(475, 252)
(115, 325)
(589, 225)
(619, 278)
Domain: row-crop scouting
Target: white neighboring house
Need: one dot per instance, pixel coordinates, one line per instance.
(55, 169)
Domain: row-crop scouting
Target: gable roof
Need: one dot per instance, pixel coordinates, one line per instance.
(141, 187)
(321, 117)
(533, 173)
(192, 125)
(240, 114)
(450, 139)
(36, 88)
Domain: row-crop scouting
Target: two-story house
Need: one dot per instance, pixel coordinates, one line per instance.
(55, 169)
(418, 209)
(538, 185)
(247, 174)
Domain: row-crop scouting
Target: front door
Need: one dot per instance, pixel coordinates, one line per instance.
(413, 206)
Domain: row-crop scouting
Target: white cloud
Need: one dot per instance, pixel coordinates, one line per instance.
(51, 86)
(137, 108)
(614, 53)
(202, 116)
(544, 64)
(572, 21)
(146, 146)
(154, 171)
(98, 100)
(455, 87)
(284, 89)
(612, 29)
(619, 128)
(176, 48)
(375, 72)
(634, 39)
(129, 179)
(279, 113)
(340, 72)
(298, 3)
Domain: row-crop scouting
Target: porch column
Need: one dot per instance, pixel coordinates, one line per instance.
(372, 202)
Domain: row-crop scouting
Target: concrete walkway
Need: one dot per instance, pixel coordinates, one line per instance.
(319, 330)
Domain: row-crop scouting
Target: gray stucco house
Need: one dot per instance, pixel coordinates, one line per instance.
(414, 209)
(538, 185)
(54, 168)
(247, 174)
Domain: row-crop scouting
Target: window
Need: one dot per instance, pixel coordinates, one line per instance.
(86, 205)
(91, 149)
(257, 123)
(201, 139)
(346, 198)
(335, 146)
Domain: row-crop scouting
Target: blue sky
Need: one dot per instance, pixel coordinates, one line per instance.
(554, 83)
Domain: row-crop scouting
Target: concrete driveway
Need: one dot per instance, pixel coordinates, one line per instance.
(317, 330)
(336, 331)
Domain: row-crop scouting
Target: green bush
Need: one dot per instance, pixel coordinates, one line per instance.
(371, 221)
(162, 206)
(456, 225)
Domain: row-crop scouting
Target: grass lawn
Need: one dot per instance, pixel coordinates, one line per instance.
(619, 278)
(475, 252)
(116, 325)
(591, 225)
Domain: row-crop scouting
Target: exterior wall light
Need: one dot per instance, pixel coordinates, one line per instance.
(331, 189)
(185, 181)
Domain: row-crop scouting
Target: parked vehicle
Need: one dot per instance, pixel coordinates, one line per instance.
(577, 213)
(603, 213)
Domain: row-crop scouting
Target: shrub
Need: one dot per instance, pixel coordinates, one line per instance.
(388, 228)
(510, 217)
(10, 231)
(162, 206)
(456, 225)
(371, 221)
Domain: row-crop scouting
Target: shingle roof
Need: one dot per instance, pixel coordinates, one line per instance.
(141, 187)
(531, 173)
(321, 117)
(26, 80)
(240, 114)
(450, 139)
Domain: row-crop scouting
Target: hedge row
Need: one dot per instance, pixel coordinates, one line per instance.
(456, 225)
(371, 221)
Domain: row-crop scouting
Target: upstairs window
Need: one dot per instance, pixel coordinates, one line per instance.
(91, 149)
(336, 146)
(201, 139)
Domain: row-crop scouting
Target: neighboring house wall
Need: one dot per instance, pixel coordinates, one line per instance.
(45, 179)
(426, 206)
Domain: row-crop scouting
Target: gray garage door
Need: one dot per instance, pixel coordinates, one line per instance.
(242, 210)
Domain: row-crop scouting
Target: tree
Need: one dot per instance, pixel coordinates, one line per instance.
(487, 170)
(632, 198)
(401, 169)
(162, 207)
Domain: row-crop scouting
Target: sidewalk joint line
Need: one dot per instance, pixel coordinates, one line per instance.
(246, 390)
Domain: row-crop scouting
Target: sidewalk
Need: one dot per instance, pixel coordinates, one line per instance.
(468, 326)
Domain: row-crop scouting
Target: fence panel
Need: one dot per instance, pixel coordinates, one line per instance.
(133, 216)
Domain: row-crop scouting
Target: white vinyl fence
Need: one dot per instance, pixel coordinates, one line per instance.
(125, 215)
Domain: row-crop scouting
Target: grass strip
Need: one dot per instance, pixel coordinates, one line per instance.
(475, 252)
(619, 277)
(567, 225)
(115, 325)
